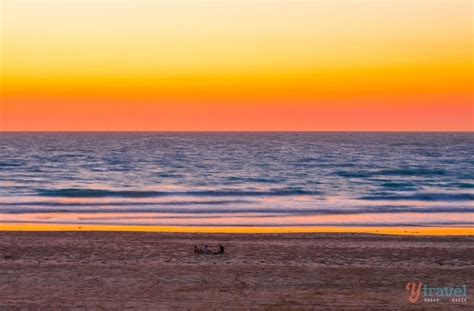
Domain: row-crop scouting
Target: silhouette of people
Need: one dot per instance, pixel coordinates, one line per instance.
(220, 251)
(207, 251)
(197, 250)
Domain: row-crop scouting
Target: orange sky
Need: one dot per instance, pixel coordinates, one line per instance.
(236, 65)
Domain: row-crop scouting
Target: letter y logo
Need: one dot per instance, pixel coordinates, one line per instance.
(415, 291)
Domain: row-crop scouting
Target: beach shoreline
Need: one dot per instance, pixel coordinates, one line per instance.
(303, 271)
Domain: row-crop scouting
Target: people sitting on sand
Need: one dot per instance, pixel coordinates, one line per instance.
(197, 250)
(207, 251)
(220, 251)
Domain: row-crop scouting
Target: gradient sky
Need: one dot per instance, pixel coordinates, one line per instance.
(236, 65)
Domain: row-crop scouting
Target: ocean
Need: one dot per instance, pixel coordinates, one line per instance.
(237, 179)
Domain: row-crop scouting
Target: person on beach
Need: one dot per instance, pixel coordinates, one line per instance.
(207, 251)
(220, 251)
(197, 250)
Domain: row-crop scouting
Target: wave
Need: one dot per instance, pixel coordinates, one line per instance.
(421, 197)
(393, 172)
(411, 172)
(134, 203)
(253, 211)
(401, 186)
(465, 185)
(354, 174)
(10, 164)
(233, 179)
(101, 193)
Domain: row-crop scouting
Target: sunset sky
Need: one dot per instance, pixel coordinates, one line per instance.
(236, 65)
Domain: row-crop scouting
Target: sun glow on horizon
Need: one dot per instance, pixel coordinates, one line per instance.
(194, 65)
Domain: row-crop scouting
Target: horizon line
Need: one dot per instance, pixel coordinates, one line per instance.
(235, 131)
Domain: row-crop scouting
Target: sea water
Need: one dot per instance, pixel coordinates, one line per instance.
(237, 179)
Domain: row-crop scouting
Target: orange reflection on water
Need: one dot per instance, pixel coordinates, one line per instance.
(464, 231)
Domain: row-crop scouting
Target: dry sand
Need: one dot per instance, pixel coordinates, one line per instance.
(158, 271)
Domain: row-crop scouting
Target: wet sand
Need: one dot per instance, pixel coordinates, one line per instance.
(158, 271)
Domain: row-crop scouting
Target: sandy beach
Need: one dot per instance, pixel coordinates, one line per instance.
(158, 271)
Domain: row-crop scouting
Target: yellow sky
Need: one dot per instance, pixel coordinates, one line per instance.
(63, 63)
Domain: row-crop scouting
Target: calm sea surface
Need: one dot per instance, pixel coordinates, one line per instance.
(238, 179)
